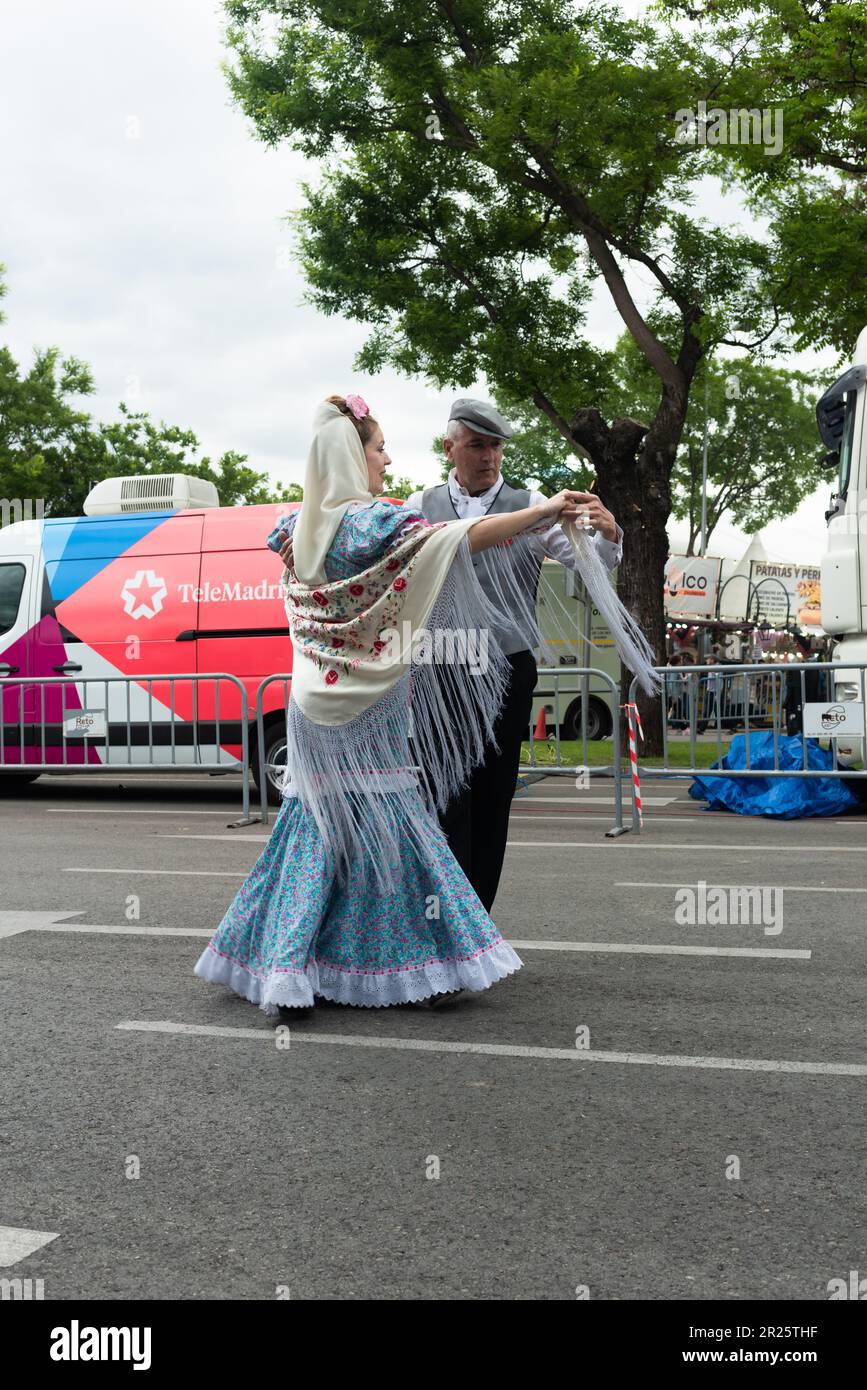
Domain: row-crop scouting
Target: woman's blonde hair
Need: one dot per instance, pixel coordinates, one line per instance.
(366, 426)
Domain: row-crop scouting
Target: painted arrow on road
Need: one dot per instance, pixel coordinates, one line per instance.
(11, 923)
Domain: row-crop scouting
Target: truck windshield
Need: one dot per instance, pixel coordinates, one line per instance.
(835, 417)
(846, 441)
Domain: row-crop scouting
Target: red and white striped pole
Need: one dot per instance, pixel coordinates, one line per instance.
(633, 718)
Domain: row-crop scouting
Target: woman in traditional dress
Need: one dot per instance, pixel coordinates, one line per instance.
(357, 897)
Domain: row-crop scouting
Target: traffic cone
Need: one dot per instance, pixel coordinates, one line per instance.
(541, 730)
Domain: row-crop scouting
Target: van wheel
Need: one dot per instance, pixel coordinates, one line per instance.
(275, 763)
(12, 782)
(598, 721)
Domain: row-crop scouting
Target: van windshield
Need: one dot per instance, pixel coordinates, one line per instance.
(11, 589)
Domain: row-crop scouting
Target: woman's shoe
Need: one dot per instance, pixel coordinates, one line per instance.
(435, 1001)
(285, 1014)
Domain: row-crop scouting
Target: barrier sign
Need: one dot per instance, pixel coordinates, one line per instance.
(89, 723)
(691, 584)
(830, 719)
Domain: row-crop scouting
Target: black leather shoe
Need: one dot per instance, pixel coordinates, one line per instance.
(291, 1015)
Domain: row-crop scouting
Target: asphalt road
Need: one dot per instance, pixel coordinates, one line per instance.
(609, 1167)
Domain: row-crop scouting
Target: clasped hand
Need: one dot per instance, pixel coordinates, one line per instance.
(570, 506)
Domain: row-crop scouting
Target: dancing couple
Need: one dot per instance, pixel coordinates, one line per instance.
(377, 881)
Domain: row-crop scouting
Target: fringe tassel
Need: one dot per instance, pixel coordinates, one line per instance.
(512, 573)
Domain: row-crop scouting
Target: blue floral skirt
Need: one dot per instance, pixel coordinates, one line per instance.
(294, 931)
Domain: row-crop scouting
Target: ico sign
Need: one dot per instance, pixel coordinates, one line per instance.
(691, 585)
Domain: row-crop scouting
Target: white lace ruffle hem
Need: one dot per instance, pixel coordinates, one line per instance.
(371, 991)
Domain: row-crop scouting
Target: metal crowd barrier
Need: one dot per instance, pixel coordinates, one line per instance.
(560, 675)
(140, 732)
(265, 770)
(721, 698)
(716, 697)
(748, 699)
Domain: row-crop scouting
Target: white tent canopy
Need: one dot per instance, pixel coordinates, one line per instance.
(735, 581)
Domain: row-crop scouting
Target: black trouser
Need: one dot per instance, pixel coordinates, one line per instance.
(476, 821)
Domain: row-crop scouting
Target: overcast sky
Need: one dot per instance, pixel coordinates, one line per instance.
(143, 231)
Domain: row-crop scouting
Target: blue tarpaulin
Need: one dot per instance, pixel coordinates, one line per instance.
(787, 797)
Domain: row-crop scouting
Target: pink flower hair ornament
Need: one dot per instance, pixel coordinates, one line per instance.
(359, 407)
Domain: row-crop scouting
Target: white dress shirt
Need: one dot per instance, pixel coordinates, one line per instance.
(554, 543)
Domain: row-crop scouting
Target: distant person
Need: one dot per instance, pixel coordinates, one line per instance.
(713, 693)
(803, 687)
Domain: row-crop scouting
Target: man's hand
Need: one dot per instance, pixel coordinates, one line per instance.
(599, 517)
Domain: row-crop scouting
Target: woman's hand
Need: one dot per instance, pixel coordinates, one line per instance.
(585, 508)
(285, 551)
(563, 506)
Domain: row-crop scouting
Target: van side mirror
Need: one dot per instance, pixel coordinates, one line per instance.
(830, 461)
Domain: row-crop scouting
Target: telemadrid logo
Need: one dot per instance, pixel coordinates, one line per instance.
(143, 594)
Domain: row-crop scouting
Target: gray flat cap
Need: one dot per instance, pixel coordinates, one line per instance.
(480, 416)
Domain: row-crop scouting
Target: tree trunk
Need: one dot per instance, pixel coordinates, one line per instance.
(633, 467)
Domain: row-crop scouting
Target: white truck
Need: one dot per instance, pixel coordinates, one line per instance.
(841, 415)
(592, 646)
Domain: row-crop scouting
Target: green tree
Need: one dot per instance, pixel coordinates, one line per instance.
(400, 487)
(807, 61)
(483, 168)
(764, 454)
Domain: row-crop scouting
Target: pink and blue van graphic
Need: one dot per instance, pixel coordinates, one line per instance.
(155, 596)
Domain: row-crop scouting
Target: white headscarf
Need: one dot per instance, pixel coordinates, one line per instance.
(335, 477)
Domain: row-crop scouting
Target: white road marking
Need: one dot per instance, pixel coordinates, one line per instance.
(638, 843)
(226, 839)
(592, 800)
(604, 947)
(125, 929)
(782, 887)
(614, 947)
(17, 1242)
(127, 811)
(183, 873)
(571, 815)
(635, 841)
(551, 1054)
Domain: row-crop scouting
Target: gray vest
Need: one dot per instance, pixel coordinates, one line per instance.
(437, 505)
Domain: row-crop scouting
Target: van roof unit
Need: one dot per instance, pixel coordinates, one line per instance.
(150, 492)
